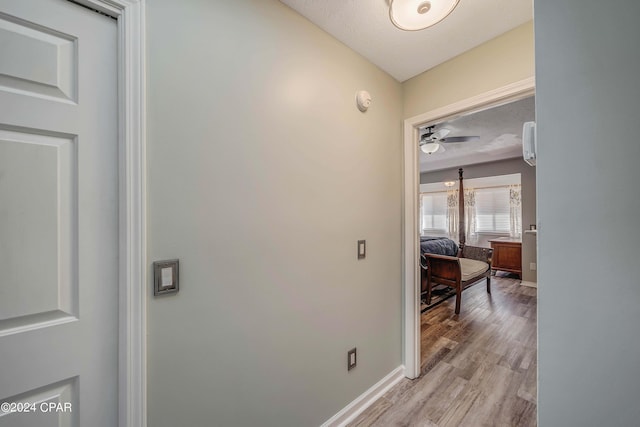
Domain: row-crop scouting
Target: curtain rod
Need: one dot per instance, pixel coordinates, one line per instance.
(455, 188)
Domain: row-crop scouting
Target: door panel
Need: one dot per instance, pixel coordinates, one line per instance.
(58, 214)
(43, 61)
(37, 190)
(47, 407)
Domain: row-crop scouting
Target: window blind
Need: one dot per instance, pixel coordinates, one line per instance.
(492, 210)
(433, 212)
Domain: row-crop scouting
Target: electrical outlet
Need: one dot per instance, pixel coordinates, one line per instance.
(533, 266)
(351, 359)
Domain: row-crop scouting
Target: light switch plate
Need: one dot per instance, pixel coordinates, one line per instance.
(362, 249)
(352, 360)
(165, 277)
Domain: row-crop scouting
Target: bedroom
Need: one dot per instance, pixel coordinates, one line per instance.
(487, 145)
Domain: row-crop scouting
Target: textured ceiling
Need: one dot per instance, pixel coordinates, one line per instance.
(364, 26)
(500, 132)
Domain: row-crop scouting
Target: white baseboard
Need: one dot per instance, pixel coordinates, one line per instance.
(366, 399)
(529, 284)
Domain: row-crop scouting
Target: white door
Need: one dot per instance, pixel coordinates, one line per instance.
(58, 215)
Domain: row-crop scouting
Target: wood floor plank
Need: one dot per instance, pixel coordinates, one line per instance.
(516, 411)
(478, 368)
(373, 413)
(435, 408)
(458, 409)
(406, 411)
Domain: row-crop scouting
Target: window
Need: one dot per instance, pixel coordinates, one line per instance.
(433, 211)
(492, 209)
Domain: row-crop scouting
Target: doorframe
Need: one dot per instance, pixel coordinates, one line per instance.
(410, 232)
(132, 316)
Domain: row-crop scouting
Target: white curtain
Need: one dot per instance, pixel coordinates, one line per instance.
(470, 214)
(452, 214)
(515, 211)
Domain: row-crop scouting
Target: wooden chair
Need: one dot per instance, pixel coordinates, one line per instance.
(470, 266)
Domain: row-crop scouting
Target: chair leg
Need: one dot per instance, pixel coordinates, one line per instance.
(458, 298)
(428, 291)
(489, 284)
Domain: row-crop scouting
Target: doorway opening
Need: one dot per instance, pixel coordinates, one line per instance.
(413, 129)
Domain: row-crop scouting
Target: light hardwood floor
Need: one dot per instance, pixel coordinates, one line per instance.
(478, 367)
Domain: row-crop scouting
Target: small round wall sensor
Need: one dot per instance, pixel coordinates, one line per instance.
(363, 99)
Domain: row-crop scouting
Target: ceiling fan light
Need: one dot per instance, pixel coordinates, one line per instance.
(414, 15)
(430, 147)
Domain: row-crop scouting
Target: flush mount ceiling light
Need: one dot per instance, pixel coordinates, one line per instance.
(414, 15)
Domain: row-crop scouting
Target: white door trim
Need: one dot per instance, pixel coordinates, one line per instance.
(411, 285)
(132, 379)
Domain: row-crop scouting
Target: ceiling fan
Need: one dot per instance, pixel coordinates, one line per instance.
(430, 141)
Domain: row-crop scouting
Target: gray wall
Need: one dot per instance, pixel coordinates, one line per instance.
(528, 181)
(262, 176)
(588, 104)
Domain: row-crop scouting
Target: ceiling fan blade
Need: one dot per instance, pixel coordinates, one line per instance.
(460, 138)
(441, 133)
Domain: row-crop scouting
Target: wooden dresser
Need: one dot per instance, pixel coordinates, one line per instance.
(507, 255)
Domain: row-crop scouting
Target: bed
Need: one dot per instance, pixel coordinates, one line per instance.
(438, 245)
